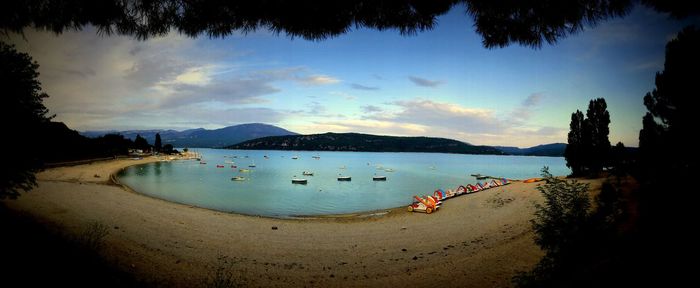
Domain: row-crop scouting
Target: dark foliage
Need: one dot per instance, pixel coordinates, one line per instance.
(664, 168)
(22, 114)
(158, 145)
(597, 147)
(574, 149)
(363, 142)
(500, 23)
(589, 148)
(582, 242)
(168, 149)
(141, 143)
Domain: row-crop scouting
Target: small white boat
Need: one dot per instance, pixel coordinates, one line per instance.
(344, 178)
(238, 178)
(299, 181)
(378, 178)
(307, 173)
(389, 170)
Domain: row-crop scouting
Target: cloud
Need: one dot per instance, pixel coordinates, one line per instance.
(424, 82)
(363, 87)
(365, 126)
(521, 114)
(99, 82)
(371, 109)
(532, 100)
(343, 94)
(317, 80)
(446, 115)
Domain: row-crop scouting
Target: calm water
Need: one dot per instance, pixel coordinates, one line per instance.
(268, 190)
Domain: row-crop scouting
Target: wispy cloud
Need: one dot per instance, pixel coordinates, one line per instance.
(424, 82)
(532, 100)
(112, 82)
(371, 109)
(363, 87)
(317, 80)
(521, 114)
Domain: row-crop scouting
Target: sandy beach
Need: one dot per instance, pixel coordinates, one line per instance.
(477, 240)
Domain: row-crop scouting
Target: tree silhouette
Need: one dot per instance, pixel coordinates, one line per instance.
(157, 145)
(500, 23)
(141, 143)
(667, 204)
(574, 148)
(22, 116)
(598, 145)
(168, 149)
(589, 147)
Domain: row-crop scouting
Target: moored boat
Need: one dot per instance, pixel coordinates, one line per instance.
(299, 181)
(344, 178)
(378, 178)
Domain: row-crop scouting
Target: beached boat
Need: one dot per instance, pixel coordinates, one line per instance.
(344, 178)
(428, 205)
(238, 178)
(299, 181)
(378, 178)
(307, 173)
(479, 176)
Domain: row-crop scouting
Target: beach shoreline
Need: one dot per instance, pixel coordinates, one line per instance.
(476, 240)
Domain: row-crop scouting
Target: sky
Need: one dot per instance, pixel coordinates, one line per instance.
(440, 83)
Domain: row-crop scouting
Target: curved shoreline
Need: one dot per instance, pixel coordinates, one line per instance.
(478, 240)
(345, 216)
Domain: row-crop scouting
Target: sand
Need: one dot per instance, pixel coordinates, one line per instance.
(476, 240)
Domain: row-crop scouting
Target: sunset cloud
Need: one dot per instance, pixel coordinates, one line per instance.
(424, 82)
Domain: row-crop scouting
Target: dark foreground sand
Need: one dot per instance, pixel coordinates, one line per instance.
(477, 240)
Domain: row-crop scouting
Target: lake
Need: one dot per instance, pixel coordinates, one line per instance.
(268, 191)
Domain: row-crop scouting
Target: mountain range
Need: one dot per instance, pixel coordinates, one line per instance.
(200, 137)
(259, 136)
(363, 142)
(554, 149)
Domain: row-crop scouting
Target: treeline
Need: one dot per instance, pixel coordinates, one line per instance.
(64, 144)
(363, 143)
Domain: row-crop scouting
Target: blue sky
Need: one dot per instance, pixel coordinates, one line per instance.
(437, 83)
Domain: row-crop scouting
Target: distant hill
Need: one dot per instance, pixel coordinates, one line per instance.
(202, 138)
(363, 142)
(554, 149)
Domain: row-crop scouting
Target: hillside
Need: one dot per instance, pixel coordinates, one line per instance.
(363, 142)
(554, 149)
(202, 138)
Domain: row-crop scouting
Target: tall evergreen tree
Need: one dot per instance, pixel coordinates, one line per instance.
(573, 152)
(598, 146)
(666, 201)
(158, 145)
